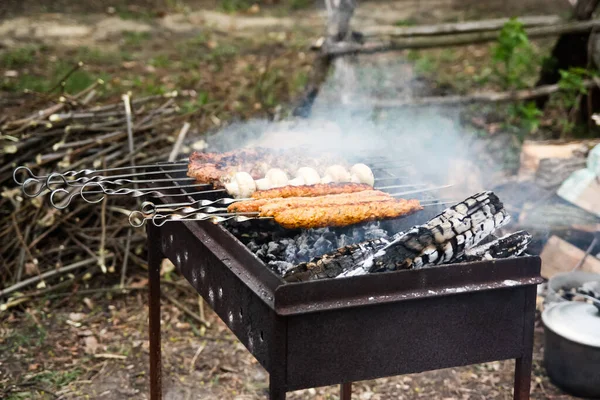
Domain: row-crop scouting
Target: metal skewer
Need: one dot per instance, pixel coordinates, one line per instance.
(120, 179)
(150, 208)
(421, 190)
(70, 174)
(213, 214)
(161, 219)
(62, 203)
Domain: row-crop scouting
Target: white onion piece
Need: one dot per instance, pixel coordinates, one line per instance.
(296, 182)
(338, 173)
(277, 177)
(263, 184)
(363, 173)
(233, 189)
(355, 179)
(245, 183)
(310, 175)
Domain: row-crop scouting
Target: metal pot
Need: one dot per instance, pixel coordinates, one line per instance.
(567, 281)
(572, 347)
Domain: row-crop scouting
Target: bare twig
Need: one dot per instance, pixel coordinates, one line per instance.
(201, 307)
(587, 253)
(102, 250)
(24, 248)
(61, 83)
(49, 274)
(196, 355)
(186, 310)
(180, 138)
(458, 27)
(483, 97)
(126, 101)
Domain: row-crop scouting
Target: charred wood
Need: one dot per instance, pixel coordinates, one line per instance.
(445, 238)
(511, 245)
(333, 264)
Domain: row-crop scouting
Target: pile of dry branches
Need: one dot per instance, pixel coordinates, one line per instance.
(43, 249)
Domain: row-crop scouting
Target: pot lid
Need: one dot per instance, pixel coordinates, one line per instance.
(575, 321)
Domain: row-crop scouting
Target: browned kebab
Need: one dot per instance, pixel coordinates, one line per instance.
(344, 215)
(329, 210)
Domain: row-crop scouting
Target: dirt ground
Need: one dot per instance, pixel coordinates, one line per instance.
(99, 349)
(93, 342)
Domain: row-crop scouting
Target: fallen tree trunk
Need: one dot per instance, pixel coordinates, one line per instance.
(483, 97)
(459, 27)
(423, 42)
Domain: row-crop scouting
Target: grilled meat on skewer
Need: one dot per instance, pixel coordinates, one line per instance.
(272, 208)
(265, 169)
(320, 189)
(344, 215)
(268, 206)
(211, 167)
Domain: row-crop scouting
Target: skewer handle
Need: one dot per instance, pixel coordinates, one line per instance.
(138, 219)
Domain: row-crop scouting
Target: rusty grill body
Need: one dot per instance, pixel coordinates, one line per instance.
(333, 331)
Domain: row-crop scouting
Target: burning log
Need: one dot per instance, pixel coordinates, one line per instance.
(511, 245)
(443, 239)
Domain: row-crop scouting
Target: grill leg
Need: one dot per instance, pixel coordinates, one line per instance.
(276, 391)
(346, 391)
(154, 260)
(522, 378)
(523, 364)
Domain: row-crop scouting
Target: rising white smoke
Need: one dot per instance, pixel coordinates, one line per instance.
(345, 118)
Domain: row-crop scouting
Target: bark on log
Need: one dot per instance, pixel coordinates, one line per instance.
(584, 9)
(483, 97)
(552, 172)
(423, 42)
(460, 27)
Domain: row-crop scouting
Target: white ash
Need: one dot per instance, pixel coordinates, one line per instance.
(282, 253)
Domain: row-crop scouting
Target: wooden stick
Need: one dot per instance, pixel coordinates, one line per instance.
(424, 42)
(102, 249)
(61, 83)
(180, 138)
(186, 310)
(193, 363)
(459, 27)
(49, 274)
(483, 97)
(127, 102)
